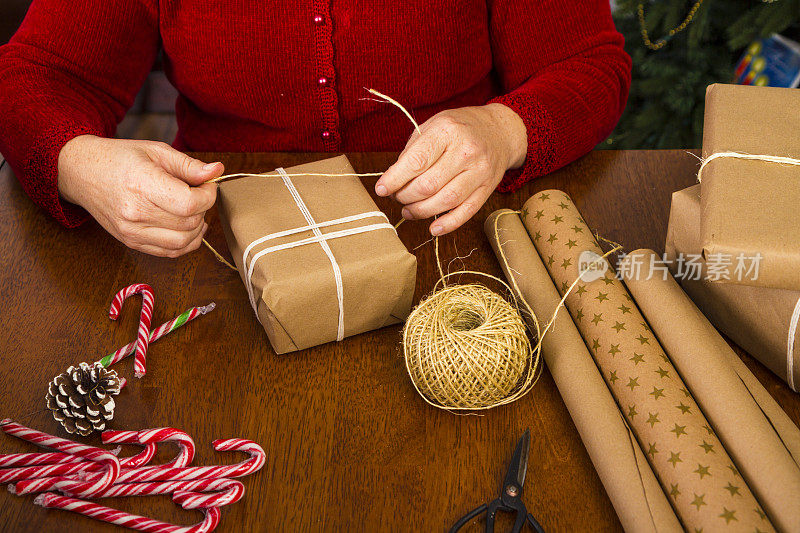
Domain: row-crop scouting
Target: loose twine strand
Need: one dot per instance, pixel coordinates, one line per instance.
(465, 346)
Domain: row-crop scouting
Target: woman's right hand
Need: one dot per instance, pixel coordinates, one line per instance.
(148, 195)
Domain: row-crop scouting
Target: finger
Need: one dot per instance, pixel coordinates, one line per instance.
(176, 197)
(154, 250)
(462, 213)
(168, 239)
(432, 180)
(449, 197)
(175, 222)
(164, 252)
(187, 169)
(420, 154)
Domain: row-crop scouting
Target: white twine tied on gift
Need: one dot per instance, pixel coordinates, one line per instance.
(790, 346)
(312, 226)
(742, 155)
(795, 318)
(319, 237)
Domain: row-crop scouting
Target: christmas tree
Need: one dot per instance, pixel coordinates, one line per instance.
(680, 47)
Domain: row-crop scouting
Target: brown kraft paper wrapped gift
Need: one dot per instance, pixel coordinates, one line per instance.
(294, 288)
(761, 320)
(750, 207)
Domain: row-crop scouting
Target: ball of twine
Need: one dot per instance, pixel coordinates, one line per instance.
(466, 347)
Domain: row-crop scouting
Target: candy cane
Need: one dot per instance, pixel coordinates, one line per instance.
(188, 494)
(82, 486)
(34, 459)
(71, 470)
(141, 458)
(184, 441)
(166, 473)
(163, 329)
(151, 437)
(191, 499)
(132, 521)
(91, 453)
(34, 465)
(143, 335)
(8, 475)
(34, 472)
(64, 464)
(130, 437)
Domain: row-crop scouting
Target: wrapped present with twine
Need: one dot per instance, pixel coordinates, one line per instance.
(318, 259)
(762, 320)
(750, 186)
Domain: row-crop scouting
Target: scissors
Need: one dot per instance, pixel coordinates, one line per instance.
(510, 499)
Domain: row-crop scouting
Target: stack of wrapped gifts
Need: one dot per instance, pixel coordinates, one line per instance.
(734, 240)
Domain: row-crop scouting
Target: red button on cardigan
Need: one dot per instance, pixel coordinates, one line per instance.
(250, 75)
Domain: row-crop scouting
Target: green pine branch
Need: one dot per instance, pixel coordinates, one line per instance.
(665, 107)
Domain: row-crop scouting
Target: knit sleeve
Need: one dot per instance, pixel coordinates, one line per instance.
(73, 68)
(564, 72)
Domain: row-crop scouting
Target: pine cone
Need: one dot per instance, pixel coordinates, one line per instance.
(81, 398)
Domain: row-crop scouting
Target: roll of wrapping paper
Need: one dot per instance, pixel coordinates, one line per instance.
(632, 487)
(702, 357)
(776, 415)
(705, 486)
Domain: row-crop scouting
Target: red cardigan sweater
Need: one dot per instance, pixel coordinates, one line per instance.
(253, 77)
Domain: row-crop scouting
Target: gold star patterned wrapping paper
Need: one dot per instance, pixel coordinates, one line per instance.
(760, 437)
(694, 469)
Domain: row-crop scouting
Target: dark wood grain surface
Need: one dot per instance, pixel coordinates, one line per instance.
(350, 446)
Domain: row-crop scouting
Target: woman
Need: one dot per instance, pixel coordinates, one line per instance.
(523, 86)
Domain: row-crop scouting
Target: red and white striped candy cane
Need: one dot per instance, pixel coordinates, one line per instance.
(185, 443)
(143, 335)
(194, 494)
(132, 521)
(9, 475)
(166, 473)
(55, 464)
(36, 459)
(140, 459)
(33, 472)
(150, 437)
(200, 499)
(108, 459)
(71, 464)
(114, 436)
(56, 472)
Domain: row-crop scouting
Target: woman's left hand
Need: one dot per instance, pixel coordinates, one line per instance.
(455, 163)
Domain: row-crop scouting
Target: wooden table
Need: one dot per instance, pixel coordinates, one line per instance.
(350, 445)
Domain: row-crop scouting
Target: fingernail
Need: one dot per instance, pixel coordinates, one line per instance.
(209, 166)
(380, 190)
(406, 214)
(436, 230)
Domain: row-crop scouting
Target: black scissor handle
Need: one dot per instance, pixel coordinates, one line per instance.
(535, 524)
(491, 510)
(467, 517)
